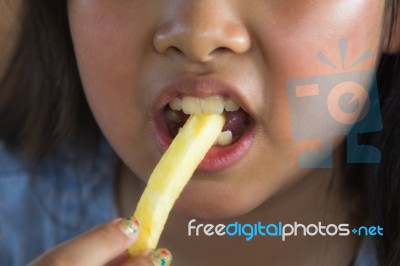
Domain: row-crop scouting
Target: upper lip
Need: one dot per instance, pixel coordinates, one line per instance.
(200, 87)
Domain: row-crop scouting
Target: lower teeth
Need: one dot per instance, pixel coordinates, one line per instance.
(225, 138)
(176, 119)
(173, 117)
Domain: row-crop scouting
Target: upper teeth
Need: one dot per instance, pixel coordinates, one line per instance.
(176, 104)
(209, 105)
(231, 106)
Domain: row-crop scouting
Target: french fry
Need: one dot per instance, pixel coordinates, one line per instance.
(171, 175)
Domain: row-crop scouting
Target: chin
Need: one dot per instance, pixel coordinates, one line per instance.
(214, 203)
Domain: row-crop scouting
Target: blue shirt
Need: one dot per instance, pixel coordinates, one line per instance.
(63, 197)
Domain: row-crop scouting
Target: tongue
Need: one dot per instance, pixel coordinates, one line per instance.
(235, 122)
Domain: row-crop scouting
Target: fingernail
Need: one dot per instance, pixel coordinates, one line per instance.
(161, 257)
(130, 226)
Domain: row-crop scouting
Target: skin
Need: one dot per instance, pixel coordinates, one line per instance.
(118, 61)
(127, 51)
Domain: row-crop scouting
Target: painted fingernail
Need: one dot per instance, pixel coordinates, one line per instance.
(130, 226)
(161, 257)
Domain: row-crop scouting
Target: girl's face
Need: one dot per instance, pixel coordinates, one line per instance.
(137, 56)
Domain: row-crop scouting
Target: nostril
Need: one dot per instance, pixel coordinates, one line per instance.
(200, 42)
(218, 51)
(174, 50)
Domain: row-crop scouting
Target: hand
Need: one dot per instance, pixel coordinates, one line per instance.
(104, 245)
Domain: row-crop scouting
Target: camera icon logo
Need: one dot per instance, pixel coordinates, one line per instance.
(342, 104)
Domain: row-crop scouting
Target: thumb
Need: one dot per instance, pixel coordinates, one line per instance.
(157, 257)
(96, 247)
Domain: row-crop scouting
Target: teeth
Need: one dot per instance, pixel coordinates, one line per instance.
(231, 106)
(212, 105)
(225, 138)
(191, 105)
(175, 104)
(209, 105)
(173, 116)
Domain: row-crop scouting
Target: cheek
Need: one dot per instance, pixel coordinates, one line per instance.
(292, 37)
(110, 49)
(311, 47)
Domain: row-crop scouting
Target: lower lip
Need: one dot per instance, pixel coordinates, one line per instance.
(217, 158)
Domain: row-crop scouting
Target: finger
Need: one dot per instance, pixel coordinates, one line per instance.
(119, 260)
(138, 261)
(96, 247)
(158, 257)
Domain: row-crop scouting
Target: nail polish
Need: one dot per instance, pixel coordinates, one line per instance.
(161, 257)
(130, 227)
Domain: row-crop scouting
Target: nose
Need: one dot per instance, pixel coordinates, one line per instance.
(202, 31)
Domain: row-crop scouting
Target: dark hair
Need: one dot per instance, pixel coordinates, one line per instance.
(379, 184)
(42, 105)
(41, 99)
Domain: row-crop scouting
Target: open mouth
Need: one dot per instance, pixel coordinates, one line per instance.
(206, 95)
(234, 141)
(179, 109)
